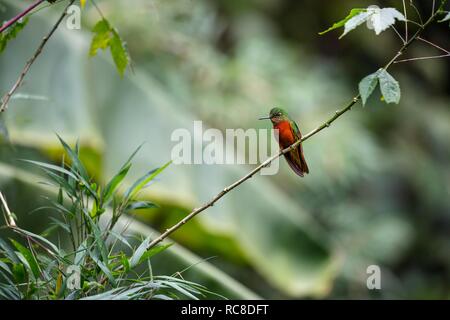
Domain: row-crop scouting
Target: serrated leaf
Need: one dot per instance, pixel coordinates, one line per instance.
(108, 37)
(342, 22)
(367, 85)
(101, 38)
(119, 52)
(354, 22)
(390, 87)
(446, 18)
(382, 19)
(378, 19)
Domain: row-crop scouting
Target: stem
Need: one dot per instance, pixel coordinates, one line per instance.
(324, 125)
(30, 62)
(406, 21)
(9, 217)
(433, 44)
(20, 15)
(424, 58)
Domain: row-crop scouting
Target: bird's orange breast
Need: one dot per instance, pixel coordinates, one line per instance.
(285, 134)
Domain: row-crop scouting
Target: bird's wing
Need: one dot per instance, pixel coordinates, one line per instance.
(297, 158)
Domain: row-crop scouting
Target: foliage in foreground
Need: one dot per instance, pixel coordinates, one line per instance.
(109, 267)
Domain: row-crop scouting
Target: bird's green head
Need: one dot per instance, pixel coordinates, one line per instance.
(277, 115)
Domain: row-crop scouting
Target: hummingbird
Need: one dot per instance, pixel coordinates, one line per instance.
(288, 133)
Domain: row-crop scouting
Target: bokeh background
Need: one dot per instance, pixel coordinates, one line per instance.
(379, 188)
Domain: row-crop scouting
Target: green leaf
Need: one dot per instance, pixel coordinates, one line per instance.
(390, 87)
(98, 237)
(29, 257)
(137, 255)
(104, 268)
(19, 272)
(153, 251)
(5, 267)
(115, 181)
(52, 167)
(112, 185)
(11, 33)
(77, 165)
(42, 239)
(125, 262)
(108, 37)
(136, 205)
(101, 38)
(341, 23)
(367, 85)
(141, 182)
(9, 252)
(119, 52)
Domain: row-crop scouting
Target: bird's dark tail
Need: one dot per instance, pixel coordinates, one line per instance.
(297, 162)
(304, 165)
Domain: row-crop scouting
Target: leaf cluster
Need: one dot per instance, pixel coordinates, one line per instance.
(110, 266)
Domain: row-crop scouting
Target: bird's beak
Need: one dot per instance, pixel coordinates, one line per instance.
(264, 118)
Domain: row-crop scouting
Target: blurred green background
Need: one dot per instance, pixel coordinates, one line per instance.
(379, 188)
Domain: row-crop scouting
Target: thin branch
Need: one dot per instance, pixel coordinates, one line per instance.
(30, 62)
(424, 58)
(324, 125)
(9, 217)
(433, 44)
(417, 11)
(98, 9)
(406, 20)
(20, 15)
(398, 33)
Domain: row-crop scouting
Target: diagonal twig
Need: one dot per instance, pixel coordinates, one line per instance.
(324, 125)
(8, 215)
(30, 62)
(9, 23)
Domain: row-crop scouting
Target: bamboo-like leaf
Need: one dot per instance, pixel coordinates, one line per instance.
(52, 167)
(141, 182)
(115, 182)
(9, 252)
(137, 255)
(77, 165)
(29, 257)
(136, 205)
(153, 251)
